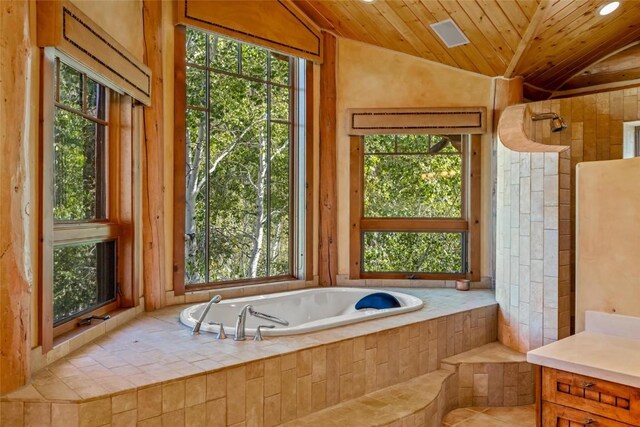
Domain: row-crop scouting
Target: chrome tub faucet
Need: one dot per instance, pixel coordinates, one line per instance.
(240, 323)
(242, 320)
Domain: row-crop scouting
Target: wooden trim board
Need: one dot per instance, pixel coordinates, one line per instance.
(63, 26)
(443, 121)
(278, 25)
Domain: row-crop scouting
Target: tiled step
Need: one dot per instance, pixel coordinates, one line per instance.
(420, 402)
(492, 375)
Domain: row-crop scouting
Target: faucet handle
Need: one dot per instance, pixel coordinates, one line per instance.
(258, 336)
(221, 335)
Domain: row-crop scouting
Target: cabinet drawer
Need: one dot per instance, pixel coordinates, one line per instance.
(610, 400)
(560, 416)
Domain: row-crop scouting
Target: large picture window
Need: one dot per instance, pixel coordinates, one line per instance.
(240, 156)
(411, 206)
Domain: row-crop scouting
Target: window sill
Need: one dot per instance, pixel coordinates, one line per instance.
(71, 341)
(203, 295)
(343, 280)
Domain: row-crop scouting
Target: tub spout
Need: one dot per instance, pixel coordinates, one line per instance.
(196, 328)
(240, 323)
(265, 316)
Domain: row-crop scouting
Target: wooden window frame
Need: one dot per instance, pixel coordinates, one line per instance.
(119, 211)
(180, 67)
(470, 225)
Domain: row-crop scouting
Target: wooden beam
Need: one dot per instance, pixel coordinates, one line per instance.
(310, 166)
(605, 87)
(328, 243)
(15, 193)
(475, 192)
(527, 38)
(179, 156)
(355, 205)
(506, 93)
(153, 164)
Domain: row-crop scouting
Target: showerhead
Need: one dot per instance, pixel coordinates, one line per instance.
(557, 123)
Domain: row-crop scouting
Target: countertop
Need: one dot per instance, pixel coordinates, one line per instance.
(608, 349)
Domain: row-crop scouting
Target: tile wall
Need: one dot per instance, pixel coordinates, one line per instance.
(533, 236)
(594, 133)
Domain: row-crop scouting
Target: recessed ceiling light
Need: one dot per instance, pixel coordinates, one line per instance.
(608, 8)
(368, 1)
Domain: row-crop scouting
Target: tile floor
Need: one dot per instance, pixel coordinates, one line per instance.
(515, 416)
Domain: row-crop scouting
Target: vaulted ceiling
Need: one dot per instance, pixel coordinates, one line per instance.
(550, 43)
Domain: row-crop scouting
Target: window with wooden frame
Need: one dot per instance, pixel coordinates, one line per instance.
(414, 206)
(86, 197)
(242, 189)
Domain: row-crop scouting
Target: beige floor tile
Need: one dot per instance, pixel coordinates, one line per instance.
(515, 416)
(482, 420)
(457, 415)
(521, 416)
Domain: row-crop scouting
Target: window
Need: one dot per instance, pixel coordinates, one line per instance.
(411, 206)
(243, 144)
(84, 202)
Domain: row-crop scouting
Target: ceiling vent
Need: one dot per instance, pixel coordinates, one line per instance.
(450, 33)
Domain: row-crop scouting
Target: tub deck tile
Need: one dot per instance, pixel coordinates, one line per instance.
(154, 348)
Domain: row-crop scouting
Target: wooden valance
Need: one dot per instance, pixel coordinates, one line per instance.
(278, 25)
(443, 121)
(63, 26)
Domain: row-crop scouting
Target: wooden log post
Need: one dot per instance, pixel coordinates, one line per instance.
(328, 218)
(15, 194)
(153, 217)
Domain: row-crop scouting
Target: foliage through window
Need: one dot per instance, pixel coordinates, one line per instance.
(413, 218)
(83, 271)
(238, 195)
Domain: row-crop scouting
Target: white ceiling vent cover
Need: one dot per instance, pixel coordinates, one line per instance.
(450, 33)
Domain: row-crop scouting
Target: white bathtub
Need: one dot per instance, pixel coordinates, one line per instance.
(306, 310)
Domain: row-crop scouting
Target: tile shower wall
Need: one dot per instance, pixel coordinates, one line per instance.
(532, 246)
(277, 389)
(594, 133)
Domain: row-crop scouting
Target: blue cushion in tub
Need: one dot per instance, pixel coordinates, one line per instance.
(379, 300)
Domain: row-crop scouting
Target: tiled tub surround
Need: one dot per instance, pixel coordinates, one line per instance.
(152, 370)
(492, 375)
(533, 237)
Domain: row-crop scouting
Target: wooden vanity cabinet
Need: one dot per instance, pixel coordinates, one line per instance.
(566, 399)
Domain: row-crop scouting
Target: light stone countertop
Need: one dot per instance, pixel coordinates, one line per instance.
(609, 349)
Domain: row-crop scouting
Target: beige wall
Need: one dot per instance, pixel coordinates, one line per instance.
(373, 77)
(608, 238)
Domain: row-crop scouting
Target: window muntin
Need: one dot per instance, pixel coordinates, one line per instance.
(239, 185)
(83, 261)
(418, 176)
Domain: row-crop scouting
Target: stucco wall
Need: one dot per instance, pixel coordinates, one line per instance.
(373, 77)
(608, 238)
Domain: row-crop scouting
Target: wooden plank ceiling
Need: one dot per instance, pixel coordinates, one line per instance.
(548, 42)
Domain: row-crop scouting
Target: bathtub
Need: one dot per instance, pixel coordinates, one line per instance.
(306, 310)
